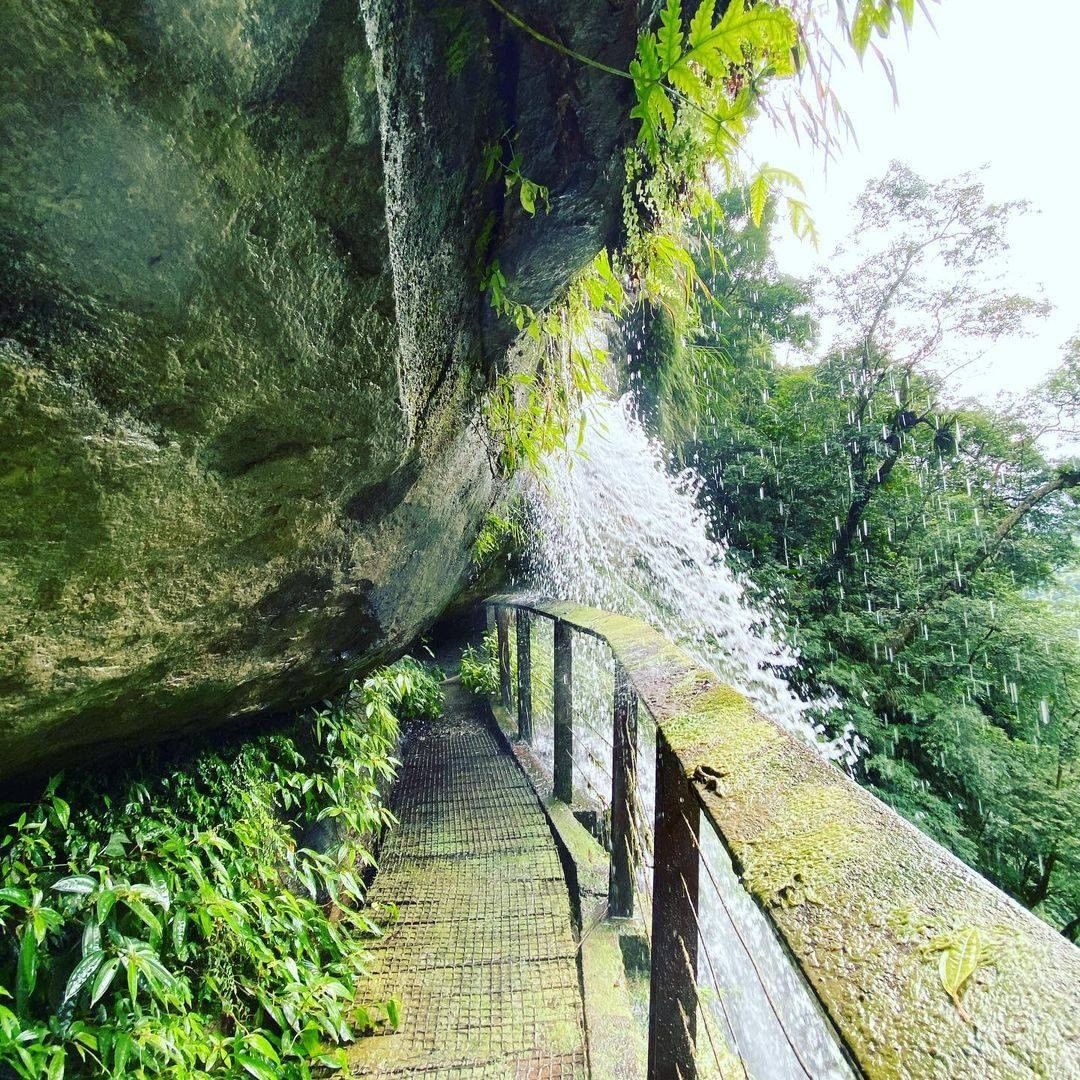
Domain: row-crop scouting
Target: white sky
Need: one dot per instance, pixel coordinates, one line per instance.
(992, 82)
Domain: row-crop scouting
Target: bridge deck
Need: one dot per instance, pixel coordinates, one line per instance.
(482, 956)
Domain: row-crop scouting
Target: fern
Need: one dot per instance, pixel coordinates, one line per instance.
(707, 70)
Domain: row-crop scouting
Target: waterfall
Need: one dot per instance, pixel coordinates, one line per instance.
(612, 527)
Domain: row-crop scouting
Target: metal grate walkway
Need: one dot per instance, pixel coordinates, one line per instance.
(482, 955)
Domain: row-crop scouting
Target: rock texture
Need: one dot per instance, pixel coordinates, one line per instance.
(241, 339)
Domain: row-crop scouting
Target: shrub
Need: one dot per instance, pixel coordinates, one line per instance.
(480, 666)
(208, 917)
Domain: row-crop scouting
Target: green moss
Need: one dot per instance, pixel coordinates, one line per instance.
(713, 714)
(803, 847)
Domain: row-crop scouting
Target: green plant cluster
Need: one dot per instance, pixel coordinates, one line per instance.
(480, 666)
(698, 77)
(503, 532)
(204, 916)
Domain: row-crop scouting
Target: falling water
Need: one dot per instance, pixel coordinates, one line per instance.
(613, 528)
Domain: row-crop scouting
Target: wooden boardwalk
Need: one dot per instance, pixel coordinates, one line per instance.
(482, 956)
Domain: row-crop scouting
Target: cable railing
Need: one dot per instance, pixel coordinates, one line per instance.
(795, 925)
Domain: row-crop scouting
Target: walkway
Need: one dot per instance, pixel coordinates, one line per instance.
(482, 956)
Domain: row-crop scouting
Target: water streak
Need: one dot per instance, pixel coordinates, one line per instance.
(615, 529)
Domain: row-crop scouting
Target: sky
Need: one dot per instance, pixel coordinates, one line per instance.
(992, 82)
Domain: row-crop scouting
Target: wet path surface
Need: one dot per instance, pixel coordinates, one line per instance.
(483, 956)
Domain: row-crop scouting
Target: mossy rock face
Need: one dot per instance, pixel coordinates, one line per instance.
(242, 344)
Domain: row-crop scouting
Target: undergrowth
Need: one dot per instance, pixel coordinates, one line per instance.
(480, 666)
(206, 918)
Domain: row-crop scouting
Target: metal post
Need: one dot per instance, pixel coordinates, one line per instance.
(502, 621)
(523, 624)
(564, 713)
(623, 788)
(673, 984)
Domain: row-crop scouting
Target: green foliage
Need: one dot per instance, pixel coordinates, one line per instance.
(500, 533)
(871, 15)
(696, 90)
(907, 540)
(205, 918)
(529, 192)
(480, 666)
(530, 414)
(698, 81)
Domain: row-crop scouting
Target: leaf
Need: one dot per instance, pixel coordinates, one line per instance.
(527, 193)
(105, 903)
(137, 907)
(84, 971)
(759, 194)
(960, 961)
(91, 938)
(393, 1012)
(669, 37)
(702, 23)
(26, 979)
(179, 930)
(104, 980)
(262, 1045)
(115, 847)
(870, 15)
(62, 811)
(258, 1067)
(153, 894)
(81, 885)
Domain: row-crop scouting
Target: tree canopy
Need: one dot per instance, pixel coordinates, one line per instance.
(915, 541)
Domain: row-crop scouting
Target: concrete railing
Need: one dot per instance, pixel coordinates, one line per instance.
(921, 967)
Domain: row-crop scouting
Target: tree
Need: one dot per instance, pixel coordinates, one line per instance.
(908, 536)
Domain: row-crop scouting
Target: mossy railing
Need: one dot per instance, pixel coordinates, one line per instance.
(922, 967)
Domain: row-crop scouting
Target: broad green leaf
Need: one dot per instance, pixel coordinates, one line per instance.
(702, 22)
(527, 193)
(759, 194)
(115, 847)
(138, 908)
(393, 1012)
(62, 811)
(262, 1045)
(26, 977)
(960, 961)
(179, 930)
(84, 971)
(91, 938)
(131, 967)
(81, 884)
(153, 894)
(258, 1067)
(669, 37)
(104, 980)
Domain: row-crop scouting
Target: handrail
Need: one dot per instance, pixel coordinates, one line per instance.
(866, 904)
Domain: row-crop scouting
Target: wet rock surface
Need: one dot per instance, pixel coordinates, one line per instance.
(242, 343)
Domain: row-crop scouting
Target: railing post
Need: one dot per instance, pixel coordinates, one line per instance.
(673, 982)
(502, 622)
(523, 624)
(564, 712)
(623, 788)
